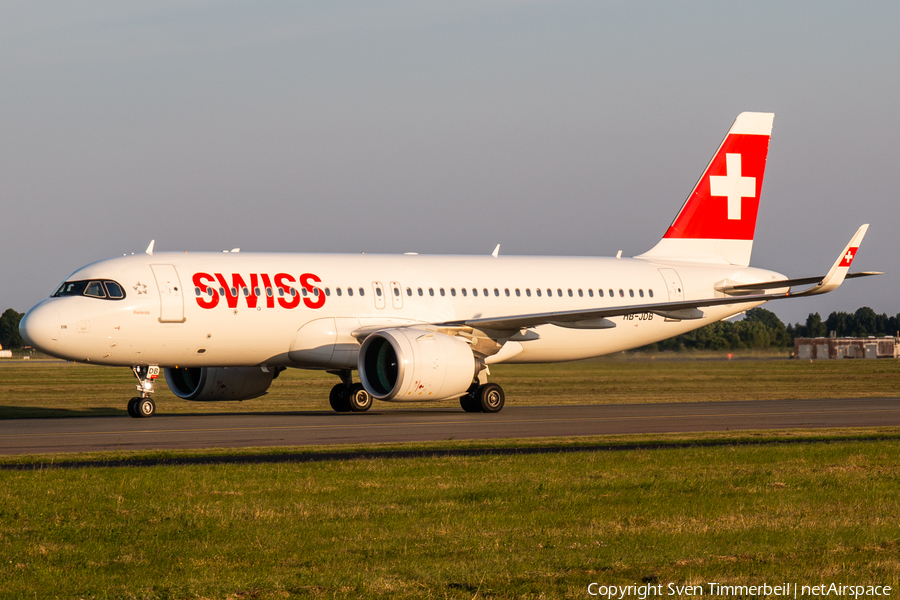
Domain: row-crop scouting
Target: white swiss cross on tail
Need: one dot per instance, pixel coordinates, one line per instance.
(717, 222)
(733, 186)
(847, 259)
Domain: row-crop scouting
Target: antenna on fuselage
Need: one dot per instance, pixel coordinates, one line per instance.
(496, 251)
(149, 249)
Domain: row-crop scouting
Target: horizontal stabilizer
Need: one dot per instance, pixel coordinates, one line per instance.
(785, 283)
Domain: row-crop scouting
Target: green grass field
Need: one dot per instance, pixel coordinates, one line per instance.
(539, 526)
(30, 389)
(799, 506)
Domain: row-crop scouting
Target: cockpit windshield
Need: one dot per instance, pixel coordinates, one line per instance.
(109, 290)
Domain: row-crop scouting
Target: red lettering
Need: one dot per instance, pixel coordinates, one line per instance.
(318, 296)
(252, 298)
(287, 301)
(288, 296)
(270, 298)
(201, 281)
(231, 296)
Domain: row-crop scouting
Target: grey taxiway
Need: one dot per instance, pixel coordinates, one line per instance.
(323, 428)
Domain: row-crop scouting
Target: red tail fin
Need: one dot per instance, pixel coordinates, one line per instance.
(718, 220)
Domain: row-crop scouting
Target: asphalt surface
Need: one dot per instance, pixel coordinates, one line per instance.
(33, 436)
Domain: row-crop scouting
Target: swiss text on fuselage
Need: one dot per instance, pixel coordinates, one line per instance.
(258, 290)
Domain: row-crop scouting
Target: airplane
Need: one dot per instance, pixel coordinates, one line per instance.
(223, 325)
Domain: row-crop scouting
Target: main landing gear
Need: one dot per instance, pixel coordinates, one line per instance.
(348, 396)
(143, 405)
(483, 397)
(353, 397)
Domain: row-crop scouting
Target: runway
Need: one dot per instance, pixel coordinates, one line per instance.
(321, 428)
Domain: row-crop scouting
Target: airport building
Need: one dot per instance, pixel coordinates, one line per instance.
(835, 347)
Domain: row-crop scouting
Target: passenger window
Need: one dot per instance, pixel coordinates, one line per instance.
(377, 291)
(442, 291)
(234, 291)
(580, 293)
(197, 291)
(550, 293)
(338, 290)
(474, 291)
(650, 292)
(631, 293)
(421, 293)
(246, 291)
(641, 293)
(114, 290)
(349, 291)
(570, 293)
(506, 291)
(463, 290)
(327, 291)
(453, 291)
(485, 292)
(528, 292)
(409, 292)
(222, 292)
(591, 293)
(431, 291)
(538, 291)
(269, 292)
(612, 292)
(362, 292)
(621, 293)
(600, 293)
(256, 292)
(518, 293)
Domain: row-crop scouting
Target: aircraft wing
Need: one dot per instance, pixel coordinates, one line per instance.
(686, 309)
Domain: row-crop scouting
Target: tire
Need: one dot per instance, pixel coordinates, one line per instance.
(358, 398)
(469, 403)
(339, 399)
(132, 408)
(145, 407)
(491, 398)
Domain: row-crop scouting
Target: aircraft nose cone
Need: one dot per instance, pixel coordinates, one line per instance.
(40, 327)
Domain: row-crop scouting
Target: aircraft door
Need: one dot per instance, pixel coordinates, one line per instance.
(170, 294)
(396, 295)
(673, 285)
(379, 294)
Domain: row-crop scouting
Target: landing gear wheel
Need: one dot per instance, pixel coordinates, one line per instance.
(491, 398)
(339, 398)
(132, 408)
(469, 403)
(359, 399)
(145, 407)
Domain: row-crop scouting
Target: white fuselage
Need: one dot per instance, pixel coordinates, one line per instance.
(175, 314)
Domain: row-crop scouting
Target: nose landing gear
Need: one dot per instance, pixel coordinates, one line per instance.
(143, 405)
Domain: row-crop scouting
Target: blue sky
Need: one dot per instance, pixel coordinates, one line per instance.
(569, 128)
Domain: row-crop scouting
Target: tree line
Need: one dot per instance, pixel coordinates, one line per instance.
(9, 330)
(761, 329)
(758, 330)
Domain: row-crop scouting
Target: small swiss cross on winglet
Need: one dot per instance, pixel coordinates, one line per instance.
(848, 257)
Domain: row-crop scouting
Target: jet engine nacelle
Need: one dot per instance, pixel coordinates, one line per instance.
(407, 365)
(219, 383)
